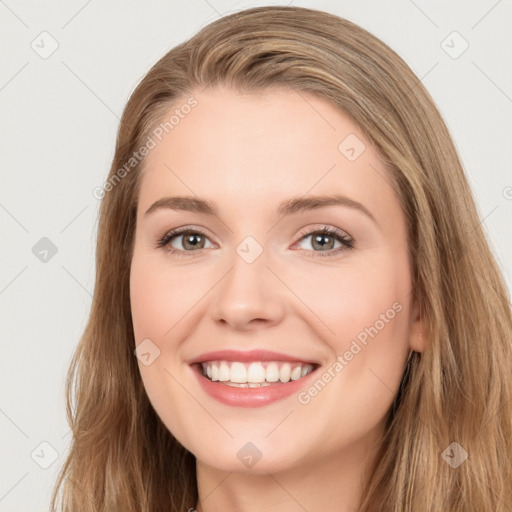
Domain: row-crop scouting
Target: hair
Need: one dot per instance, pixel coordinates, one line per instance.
(457, 390)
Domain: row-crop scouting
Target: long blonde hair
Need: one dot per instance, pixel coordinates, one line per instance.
(458, 390)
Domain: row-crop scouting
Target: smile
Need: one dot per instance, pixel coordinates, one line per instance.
(255, 374)
(252, 394)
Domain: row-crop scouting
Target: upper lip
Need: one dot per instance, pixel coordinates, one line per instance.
(248, 355)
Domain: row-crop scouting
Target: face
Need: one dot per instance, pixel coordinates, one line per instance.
(261, 274)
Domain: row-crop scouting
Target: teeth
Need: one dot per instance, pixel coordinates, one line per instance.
(247, 384)
(272, 373)
(254, 374)
(223, 372)
(296, 373)
(238, 373)
(285, 372)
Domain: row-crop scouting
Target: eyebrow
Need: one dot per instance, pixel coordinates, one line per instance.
(288, 207)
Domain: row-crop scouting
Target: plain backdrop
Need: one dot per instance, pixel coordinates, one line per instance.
(67, 71)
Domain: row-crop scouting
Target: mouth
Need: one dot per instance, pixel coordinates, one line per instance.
(255, 374)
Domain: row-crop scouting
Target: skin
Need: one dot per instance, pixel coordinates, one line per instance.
(262, 149)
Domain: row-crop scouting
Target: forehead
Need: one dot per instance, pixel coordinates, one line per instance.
(253, 150)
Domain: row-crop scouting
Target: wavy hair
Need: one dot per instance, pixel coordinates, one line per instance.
(458, 390)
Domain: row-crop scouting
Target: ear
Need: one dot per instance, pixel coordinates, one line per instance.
(417, 331)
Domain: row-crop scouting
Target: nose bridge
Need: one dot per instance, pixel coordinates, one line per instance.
(249, 290)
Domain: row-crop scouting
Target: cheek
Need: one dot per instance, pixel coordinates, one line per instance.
(363, 314)
(348, 299)
(374, 326)
(159, 298)
(364, 318)
(158, 302)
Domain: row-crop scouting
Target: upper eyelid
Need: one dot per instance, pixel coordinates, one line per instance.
(181, 231)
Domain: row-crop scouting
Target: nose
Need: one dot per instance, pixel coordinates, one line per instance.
(249, 296)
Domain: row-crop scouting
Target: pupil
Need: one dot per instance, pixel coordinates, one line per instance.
(187, 240)
(318, 239)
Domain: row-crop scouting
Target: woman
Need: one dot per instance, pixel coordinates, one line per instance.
(269, 368)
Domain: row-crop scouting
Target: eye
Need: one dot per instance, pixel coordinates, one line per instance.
(325, 238)
(194, 240)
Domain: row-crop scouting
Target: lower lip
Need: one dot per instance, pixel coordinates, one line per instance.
(250, 397)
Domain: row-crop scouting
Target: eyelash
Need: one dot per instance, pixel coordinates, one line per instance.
(347, 241)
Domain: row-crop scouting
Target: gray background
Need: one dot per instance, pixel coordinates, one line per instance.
(60, 113)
